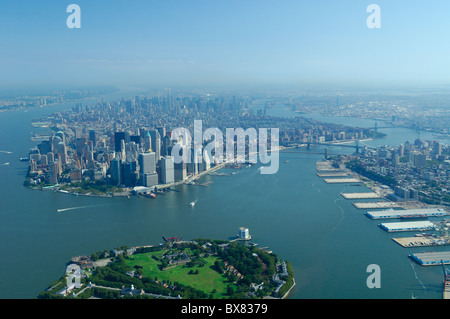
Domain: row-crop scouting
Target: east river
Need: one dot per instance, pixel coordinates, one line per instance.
(294, 212)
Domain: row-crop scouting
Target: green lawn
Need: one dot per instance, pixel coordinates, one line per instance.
(206, 280)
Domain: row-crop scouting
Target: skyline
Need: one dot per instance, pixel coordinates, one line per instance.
(212, 43)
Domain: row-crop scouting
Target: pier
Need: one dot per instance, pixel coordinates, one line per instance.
(431, 258)
(420, 241)
(360, 195)
(341, 180)
(326, 166)
(369, 205)
(407, 213)
(332, 174)
(407, 226)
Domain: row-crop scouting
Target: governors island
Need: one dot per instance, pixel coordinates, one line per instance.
(176, 269)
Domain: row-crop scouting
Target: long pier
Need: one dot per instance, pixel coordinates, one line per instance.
(360, 195)
(421, 241)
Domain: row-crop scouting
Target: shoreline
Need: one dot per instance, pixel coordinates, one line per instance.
(89, 264)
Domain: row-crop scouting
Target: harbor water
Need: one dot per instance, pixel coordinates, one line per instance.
(301, 218)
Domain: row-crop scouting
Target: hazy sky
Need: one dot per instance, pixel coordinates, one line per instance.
(223, 42)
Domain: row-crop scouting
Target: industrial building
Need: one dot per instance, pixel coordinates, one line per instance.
(407, 226)
(431, 258)
(407, 213)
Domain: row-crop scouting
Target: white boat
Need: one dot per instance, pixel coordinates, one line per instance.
(192, 204)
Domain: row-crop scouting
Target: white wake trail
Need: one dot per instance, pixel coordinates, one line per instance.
(74, 208)
(415, 275)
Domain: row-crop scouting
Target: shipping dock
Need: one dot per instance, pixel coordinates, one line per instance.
(408, 226)
(431, 258)
(341, 180)
(421, 241)
(369, 205)
(332, 174)
(360, 195)
(407, 213)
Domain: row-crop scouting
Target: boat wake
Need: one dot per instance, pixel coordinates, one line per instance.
(61, 210)
(339, 222)
(415, 275)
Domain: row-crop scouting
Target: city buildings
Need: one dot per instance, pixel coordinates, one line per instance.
(128, 142)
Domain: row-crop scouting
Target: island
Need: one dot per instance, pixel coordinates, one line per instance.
(176, 269)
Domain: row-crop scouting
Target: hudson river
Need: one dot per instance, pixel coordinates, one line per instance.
(293, 212)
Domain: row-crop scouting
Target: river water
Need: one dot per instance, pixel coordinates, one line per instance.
(294, 212)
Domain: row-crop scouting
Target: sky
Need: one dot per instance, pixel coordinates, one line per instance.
(170, 43)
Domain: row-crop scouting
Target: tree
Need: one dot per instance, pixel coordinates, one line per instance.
(219, 266)
(230, 290)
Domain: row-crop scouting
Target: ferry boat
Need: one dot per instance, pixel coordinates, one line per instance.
(150, 195)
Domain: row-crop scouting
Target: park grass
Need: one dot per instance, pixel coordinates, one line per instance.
(206, 280)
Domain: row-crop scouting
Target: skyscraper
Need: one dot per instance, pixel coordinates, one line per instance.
(156, 143)
(147, 169)
(130, 174)
(420, 160)
(180, 172)
(162, 131)
(116, 171)
(147, 142)
(167, 170)
(93, 137)
(118, 137)
(53, 172)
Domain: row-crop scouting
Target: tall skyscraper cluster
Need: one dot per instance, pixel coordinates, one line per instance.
(139, 158)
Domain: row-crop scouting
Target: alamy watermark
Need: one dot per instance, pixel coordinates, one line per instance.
(374, 19)
(374, 279)
(209, 146)
(73, 273)
(74, 19)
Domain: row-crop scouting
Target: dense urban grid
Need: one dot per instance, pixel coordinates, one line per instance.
(420, 110)
(116, 147)
(415, 171)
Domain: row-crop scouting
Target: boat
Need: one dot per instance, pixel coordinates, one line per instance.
(24, 159)
(149, 194)
(192, 204)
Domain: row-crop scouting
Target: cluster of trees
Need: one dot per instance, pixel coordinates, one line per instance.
(255, 269)
(96, 187)
(101, 254)
(255, 265)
